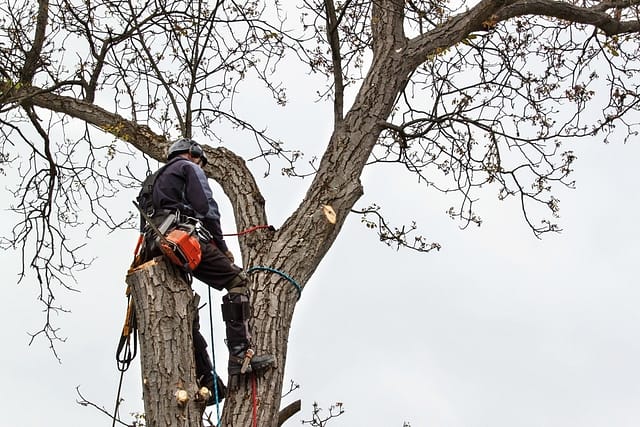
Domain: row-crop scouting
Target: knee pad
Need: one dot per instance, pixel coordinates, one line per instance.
(238, 285)
(238, 290)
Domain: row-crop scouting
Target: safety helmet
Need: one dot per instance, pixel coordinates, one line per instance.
(185, 145)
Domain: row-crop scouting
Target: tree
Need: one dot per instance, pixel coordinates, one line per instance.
(462, 96)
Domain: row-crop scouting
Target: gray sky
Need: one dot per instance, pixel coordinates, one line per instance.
(496, 329)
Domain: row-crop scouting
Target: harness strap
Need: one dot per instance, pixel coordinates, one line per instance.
(236, 311)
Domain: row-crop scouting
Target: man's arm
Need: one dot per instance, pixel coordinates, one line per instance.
(200, 196)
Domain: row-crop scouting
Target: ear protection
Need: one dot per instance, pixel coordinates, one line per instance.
(195, 150)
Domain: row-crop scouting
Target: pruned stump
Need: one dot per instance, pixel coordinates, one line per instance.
(165, 308)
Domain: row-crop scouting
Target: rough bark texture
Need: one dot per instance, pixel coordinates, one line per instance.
(301, 243)
(165, 307)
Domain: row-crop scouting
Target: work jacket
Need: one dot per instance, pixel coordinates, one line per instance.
(183, 186)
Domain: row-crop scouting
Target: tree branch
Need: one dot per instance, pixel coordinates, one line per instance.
(85, 402)
(596, 16)
(33, 57)
(336, 59)
(488, 13)
(225, 167)
(454, 30)
(288, 411)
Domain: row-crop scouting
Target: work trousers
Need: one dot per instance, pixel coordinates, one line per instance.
(215, 269)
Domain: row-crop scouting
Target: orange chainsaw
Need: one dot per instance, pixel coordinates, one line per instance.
(178, 244)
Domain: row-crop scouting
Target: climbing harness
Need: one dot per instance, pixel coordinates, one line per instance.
(286, 276)
(180, 244)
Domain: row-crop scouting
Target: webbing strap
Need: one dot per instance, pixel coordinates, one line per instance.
(125, 353)
(237, 311)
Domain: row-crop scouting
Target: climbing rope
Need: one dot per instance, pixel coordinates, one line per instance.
(250, 230)
(117, 406)
(273, 270)
(124, 353)
(286, 276)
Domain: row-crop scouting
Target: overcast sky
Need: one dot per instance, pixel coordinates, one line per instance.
(498, 329)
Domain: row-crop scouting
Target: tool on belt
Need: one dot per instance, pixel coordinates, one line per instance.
(180, 244)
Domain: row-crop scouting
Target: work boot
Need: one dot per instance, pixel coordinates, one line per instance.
(252, 362)
(236, 313)
(220, 392)
(204, 369)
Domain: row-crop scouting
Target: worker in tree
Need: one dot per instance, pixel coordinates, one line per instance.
(180, 189)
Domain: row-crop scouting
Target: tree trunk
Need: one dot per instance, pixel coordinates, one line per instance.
(165, 307)
(273, 301)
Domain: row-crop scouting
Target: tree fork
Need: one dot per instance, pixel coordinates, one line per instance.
(165, 308)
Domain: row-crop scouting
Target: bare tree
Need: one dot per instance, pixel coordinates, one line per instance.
(462, 95)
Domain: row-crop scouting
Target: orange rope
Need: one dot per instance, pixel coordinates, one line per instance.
(249, 230)
(140, 239)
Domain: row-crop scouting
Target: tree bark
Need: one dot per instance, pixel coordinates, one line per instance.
(165, 308)
(297, 248)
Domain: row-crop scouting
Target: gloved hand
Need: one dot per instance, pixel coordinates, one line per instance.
(229, 255)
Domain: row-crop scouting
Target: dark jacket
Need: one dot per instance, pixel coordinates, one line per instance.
(182, 185)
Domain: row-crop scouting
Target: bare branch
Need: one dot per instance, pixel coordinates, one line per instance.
(401, 237)
(288, 411)
(32, 59)
(84, 402)
(317, 420)
(596, 15)
(336, 59)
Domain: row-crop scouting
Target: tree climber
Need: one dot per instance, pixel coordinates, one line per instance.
(180, 190)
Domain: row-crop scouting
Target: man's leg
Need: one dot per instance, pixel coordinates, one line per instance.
(204, 368)
(217, 271)
(236, 313)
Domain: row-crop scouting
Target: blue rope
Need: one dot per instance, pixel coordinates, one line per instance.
(273, 270)
(213, 360)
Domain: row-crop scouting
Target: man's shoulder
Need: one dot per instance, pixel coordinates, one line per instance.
(180, 163)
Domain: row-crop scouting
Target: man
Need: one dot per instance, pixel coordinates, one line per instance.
(181, 187)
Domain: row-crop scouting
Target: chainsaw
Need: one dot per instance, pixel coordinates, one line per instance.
(179, 245)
